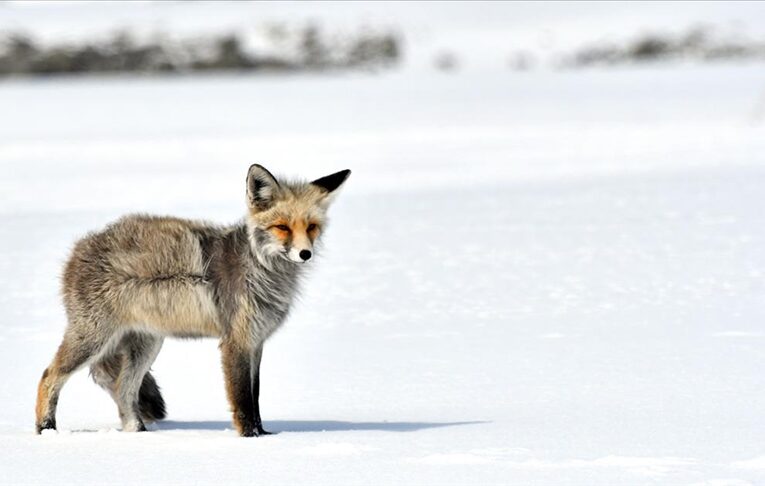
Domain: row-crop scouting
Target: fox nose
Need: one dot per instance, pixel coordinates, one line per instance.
(305, 255)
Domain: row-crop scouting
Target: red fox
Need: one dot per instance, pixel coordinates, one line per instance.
(144, 278)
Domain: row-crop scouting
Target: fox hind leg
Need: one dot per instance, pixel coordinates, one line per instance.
(80, 345)
(138, 351)
(107, 371)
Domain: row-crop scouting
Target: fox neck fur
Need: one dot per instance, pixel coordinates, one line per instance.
(240, 275)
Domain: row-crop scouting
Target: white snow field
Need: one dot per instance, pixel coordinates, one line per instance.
(530, 278)
(548, 278)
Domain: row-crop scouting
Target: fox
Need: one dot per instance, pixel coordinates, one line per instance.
(144, 278)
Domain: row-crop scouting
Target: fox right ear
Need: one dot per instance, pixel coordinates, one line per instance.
(262, 187)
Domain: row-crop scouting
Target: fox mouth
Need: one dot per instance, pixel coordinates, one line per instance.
(296, 262)
(286, 255)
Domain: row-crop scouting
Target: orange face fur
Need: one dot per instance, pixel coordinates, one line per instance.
(286, 218)
(285, 230)
(293, 221)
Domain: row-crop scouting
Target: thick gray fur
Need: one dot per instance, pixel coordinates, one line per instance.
(144, 278)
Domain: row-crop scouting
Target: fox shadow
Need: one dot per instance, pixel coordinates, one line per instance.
(276, 426)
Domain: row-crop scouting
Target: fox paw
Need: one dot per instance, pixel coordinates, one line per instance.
(259, 430)
(255, 431)
(134, 426)
(47, 424)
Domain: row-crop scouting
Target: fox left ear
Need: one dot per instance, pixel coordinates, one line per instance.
(332, 182)
(262, 187)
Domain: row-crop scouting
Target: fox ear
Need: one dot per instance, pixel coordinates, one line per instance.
(262, 187)
(332, 182)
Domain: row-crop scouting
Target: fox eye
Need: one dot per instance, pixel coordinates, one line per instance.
(283, 227)
(311, 227)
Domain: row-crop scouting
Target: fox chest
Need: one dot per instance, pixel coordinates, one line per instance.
(252, 299)
(268, 311)
(268, 302)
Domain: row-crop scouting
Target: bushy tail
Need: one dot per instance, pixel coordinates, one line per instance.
(150, 401)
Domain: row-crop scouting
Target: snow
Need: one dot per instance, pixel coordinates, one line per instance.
(543, 277)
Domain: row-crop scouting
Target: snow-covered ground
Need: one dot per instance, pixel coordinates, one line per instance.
(534, 278)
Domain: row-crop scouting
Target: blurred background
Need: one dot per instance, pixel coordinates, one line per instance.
(387, 86)
(547, 266)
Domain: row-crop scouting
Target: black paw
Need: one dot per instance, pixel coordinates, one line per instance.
(45, 424)
(250, 429)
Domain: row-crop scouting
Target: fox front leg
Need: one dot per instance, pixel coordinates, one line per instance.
(237, 366)
(255, 373)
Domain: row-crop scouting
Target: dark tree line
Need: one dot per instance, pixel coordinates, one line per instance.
(697, 44)
(311, 50)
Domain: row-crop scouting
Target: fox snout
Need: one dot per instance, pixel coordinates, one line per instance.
(298, 255)
(301, 244)
(296, 239)
(288, 219)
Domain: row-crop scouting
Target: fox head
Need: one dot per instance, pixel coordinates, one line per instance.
(286, 219)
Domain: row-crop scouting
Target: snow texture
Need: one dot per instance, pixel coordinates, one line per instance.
(536, 278)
